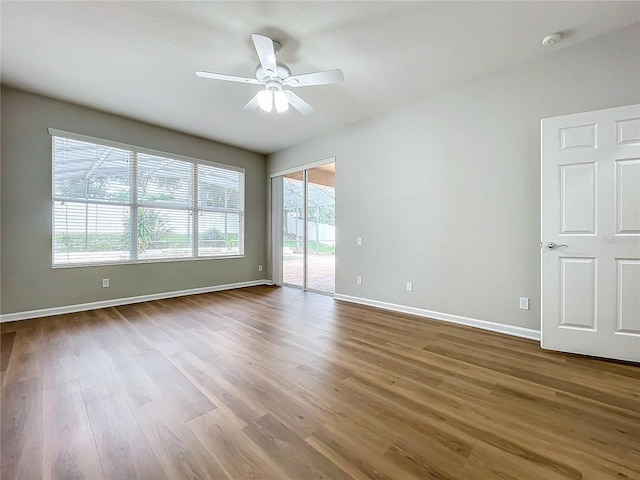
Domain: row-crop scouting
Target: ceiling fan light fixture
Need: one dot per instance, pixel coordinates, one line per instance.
(281, 101)
(265, 100)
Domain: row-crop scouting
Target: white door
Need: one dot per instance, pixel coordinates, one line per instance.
(591, 233)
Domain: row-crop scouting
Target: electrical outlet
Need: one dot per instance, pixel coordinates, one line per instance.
(259, 268)
(409, 286)
(524, 303)
(105, 283)
(359, 241)
(358, 280)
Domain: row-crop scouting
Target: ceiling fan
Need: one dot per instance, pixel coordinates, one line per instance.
(275, 76)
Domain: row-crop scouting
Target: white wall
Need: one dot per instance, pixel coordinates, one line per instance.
(445, 191)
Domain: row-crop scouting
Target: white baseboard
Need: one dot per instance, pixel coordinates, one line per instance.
(446, 317)
(47, 312)
(472, 322)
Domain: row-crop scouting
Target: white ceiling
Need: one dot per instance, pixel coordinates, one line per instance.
(138, 59)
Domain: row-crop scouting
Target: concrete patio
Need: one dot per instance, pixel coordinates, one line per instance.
(321, 271)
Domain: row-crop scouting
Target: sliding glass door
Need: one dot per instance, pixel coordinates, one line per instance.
(293, 259)
(321, 230)
(308, 228)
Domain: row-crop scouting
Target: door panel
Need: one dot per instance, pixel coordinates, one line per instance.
(578, 293)
(628, 131)
(628, 196)
(591, 211)
(628, 288)
(578, 199)
(578, 137)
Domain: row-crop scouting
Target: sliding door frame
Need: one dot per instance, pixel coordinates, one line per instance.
(277, 220)
(276, 197)
(305, 231)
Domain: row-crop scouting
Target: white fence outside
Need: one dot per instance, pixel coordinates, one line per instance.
(317, 232)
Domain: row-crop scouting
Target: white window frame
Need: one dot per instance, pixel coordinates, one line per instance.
(133, 204)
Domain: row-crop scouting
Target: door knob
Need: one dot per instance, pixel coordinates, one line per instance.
(553, 246)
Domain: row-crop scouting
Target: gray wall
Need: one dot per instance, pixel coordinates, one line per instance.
(28, 281)
(445, 191)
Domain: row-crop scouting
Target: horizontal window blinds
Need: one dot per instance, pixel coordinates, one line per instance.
(121, 205)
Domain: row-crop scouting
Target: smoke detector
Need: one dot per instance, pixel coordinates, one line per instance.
(551, 39)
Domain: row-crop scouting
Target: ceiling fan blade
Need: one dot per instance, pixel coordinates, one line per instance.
(318, 78)
(228, 78)
(266, 53)
(253, 103)
(299, 104)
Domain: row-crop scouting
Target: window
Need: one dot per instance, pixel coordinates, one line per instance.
(114, 203)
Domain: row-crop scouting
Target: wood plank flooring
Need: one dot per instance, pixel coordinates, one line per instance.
(275, 383)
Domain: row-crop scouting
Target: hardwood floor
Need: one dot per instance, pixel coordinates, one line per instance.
(275, 383)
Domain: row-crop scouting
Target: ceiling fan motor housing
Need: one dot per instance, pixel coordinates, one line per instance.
(283, 72)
